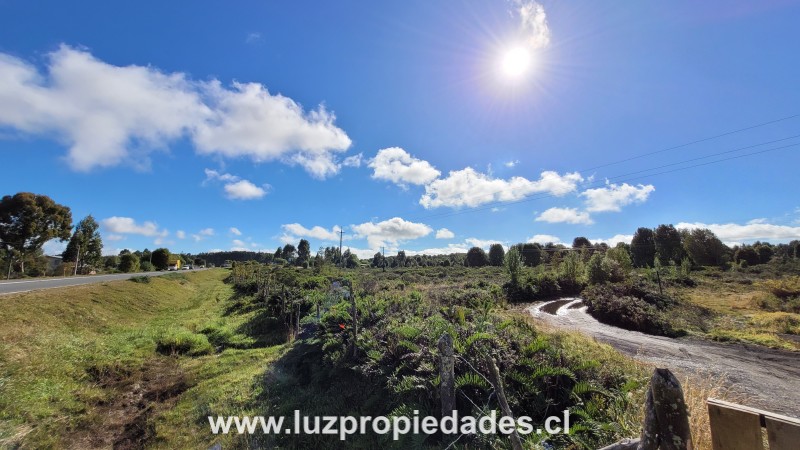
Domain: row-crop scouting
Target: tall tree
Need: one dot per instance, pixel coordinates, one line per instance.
(643, 248)
(401, 258)
(278, 253)
(668, 244)
(476, 257)
(29, 220)
(289, 252)
(531, 254)
(704, 247)
(161, 258)
(496, 255)
(303, 252)
(581, 242)
(85, 248)
(128, 262)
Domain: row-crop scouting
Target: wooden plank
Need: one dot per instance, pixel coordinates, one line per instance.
(734, 429)
(738, 407)
(782, 435)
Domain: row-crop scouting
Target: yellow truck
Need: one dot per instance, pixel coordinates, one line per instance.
(174, 263)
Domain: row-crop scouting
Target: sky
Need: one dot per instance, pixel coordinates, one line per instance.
(429, 127)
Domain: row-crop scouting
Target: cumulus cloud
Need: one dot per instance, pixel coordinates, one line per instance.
(398, 166)
(391, 231)
(483, 243)
(510, 164)
(470, 188)
(756, 229)
(565, 215)
(544, 239)
(295, 230)
(533, 24)
(235, 187)
(613, 197)
(109, 115)
(444, 233)
(126, 225)
(180, 234)
(451, 248)
(235, 231)
(202, 234)
(614, 240)
(353, 161)
(244, 190)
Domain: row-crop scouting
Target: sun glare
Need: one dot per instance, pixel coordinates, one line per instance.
(516, 62)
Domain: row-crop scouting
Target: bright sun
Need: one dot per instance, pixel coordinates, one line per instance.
(516, 62)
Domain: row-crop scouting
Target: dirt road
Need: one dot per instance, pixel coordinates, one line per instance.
(770, 379)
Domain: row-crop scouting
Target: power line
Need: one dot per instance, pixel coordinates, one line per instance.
(693, 142)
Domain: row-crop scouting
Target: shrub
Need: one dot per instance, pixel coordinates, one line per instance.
(183, 342)
(630, 307)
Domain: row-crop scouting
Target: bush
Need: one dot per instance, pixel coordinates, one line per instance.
(146, 266)
(630, 307)
(183, 342)
(140, 279)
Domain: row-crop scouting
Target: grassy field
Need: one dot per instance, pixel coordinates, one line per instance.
(138, 363)
(78, 364)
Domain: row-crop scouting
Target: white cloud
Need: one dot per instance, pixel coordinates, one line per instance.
(126, 225)
(235, 231)
(396, 165)
(295, 230)
(470, 188)
(565, 215)
(249, 121)
(533, 24)
(244, 190)
(614, 196)
(390, 231)
(212, 175)
(115, 237)
(544, 239)
(451, 248)
(353, 161)
(54, 247)
(510, 164)
(483, 243)
(202, 234)
(252, 38)
(444, 233)
(239, 243)
(614, 240)
(753, 230)
(109, 115)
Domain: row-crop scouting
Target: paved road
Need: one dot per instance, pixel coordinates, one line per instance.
(14, 286)
(769, 379)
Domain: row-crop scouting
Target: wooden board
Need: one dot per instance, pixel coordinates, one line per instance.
(733, 429)
(782, 435)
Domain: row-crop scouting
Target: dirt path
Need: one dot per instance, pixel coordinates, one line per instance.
(769, 378)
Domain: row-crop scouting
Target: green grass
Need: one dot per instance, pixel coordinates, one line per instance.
(58, 346)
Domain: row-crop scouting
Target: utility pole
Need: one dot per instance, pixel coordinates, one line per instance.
(341, 236)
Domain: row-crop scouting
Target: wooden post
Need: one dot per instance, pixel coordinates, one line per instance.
(494, 377)
(447, 385)
(666, 420)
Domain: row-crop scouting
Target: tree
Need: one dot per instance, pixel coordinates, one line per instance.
(668, 244)
(643, 248)
(621, 258)
(581, 242)
(596, 271)
(352, 261)
(704, 247)
(496, 255)
(128, 262)
(199, 262)
(289, 252)
(748, 254)
(476, 257)
(85, 248)
(161, 258)
(111, 262)
(303, 252)
(378, 260)
(29, 220)
(401, 258)
(513, 263)
(278, 254)
(531, 254)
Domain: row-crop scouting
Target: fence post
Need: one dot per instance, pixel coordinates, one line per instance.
(666, 419)
(447, 386)
(497, 383)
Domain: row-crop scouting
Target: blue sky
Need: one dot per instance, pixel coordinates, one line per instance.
(424, 126)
